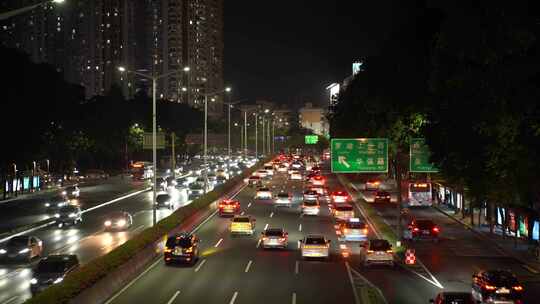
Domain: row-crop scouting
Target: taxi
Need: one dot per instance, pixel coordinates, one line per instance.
(377, 251)
(283, 199)
(315, 246)
(228, 207)
(342, 212)
(318, 180)
(352, 230)
(242, 224)
(263, 193)
(340, 197)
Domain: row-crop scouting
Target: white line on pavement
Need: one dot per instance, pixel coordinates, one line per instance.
(233, 297)
(248, 266)
(294, 298)
(258, 243)
(272, 214)
(174, 297)
(115, 200)
(296, 267)
(218, 242)
(300, 227)
(242, 213)
(200, 265)
(138, 228)
(265, 227)
(249, 205)
(27, 231)
(10, 300)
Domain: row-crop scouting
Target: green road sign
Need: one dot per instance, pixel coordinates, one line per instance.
(359, 155)
(311, 139)
(419, 157)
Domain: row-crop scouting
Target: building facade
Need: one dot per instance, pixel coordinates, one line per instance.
(314, 119)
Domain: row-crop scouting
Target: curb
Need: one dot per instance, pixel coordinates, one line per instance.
(484, 237)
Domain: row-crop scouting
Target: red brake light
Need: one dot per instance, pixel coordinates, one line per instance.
(436, 229)
(518, 288)
(416, 229)
(490, 287)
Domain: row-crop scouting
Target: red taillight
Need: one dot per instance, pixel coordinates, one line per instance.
(517, 288)
(416, 229)
(490, 287)
(365, 231)
(282, 239)
(436, 229)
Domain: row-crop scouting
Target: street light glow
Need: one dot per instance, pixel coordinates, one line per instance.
(121, 69)
(184, 89)
(59, 1)
(266, 111)
(186, 69)
(228, 89)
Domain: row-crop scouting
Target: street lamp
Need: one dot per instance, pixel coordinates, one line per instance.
(256, 143)
(205, 156)
(15, 12)
(154, 152)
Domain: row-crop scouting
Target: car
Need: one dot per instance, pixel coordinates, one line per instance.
(496, 286)
(381, 197)
(222, 173)
(309, 176)
(212, 178)
(22, 248)
(242, 224)
(318, 180)
(94, 174)
(315, 246)
(195, 190)
(372, 185)
(181, 248)
(261, 173)
(274, 237)
(55, 203)
(171, 181)
(353, 230)
(311, 207)
(377, 251)
(340, 196)
(453, 297)
(263, 193)
(71, 192)
(295, 175)
(342, 211)
(220, 180)
(118, 220)
(282, 168)
(52, 270)
(316, 169)
(228, 207)
(297, 165)
(322, 191)
(254, 181)
(283, 199)
(68, 215)
(164, 200)
(422, 229)
(310, 195)
(269, 170)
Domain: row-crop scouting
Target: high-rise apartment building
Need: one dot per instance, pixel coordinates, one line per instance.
(88, 40)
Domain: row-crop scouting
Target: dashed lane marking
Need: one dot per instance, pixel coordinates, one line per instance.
(200, 265)
(248, 266)
(173, 297)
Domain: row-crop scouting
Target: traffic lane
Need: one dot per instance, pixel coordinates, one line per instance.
(28, 211)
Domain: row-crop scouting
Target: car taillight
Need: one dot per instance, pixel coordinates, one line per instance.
(389, 251)
(517, 288)
(490, 287)
(345, 230)
(365, 230)
(436, 229)
(282, 239)
(264, 238)
(416, 229)
(370, 251)
(167, 249)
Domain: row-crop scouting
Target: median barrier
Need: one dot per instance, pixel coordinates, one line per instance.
(102, 277)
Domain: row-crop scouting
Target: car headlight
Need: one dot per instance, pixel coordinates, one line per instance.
(121, 223)
(23, 251)
(167, 203)
(47, 204)
(58, 280)
(33, 281)
(3, 251)
(107, 223)
(57, 215)
(72, 215)
(64, 192)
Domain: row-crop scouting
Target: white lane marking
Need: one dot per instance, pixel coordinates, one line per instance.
(10, 300)
(157, 261)
(355, 293)
(258, 243)
(433, 280)
(138, 228)
(233, 297)
(115, 200)
(248, 266)
(133, 282)
(296, 267)
(242, 213)
(27, 231)
(272, 214)
(249, 205)
(265, 227)
(293, 298)
(300, 227)
(218, 242)
(200, 265)
(174, 297)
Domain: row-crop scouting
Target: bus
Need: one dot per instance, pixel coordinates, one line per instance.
(142, 170)
(419, 194)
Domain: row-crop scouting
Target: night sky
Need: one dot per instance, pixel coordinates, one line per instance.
(288, 51)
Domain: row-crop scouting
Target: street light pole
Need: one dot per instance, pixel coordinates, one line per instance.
(273, 137)
(256, 143)
(229, 131)
(245, 134)
(263, 139)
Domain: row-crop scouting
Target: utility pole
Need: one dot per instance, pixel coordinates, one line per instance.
(263, 140)
(245, 134)
(173, 155)
(399, 202)
(256, 139)
(273, 137)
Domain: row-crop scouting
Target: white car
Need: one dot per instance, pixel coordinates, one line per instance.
(311, 195)
(283, 199)
(315, 246)
(282, 169)
(295, 175)
(311, 207)
(263, 194)
(269, 170)
(377, 251)
(261, 173)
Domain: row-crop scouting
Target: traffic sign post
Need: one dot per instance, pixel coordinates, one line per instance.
(359, 155)
(419, 157)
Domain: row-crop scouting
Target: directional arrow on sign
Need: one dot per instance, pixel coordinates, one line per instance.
(343, 161)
